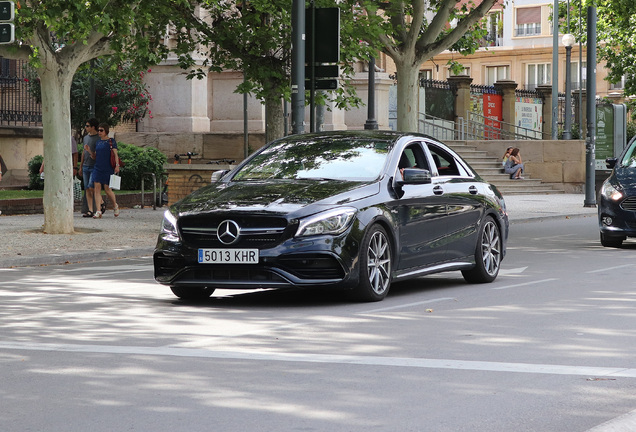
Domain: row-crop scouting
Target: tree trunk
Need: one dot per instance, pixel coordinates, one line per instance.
(274, 117)
(58, 165)
(407, 95)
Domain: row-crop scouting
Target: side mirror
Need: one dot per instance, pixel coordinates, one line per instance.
(610, 163)
(218, 175)
(415, 176)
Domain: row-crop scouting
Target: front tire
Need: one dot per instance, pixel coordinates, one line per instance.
(192, 293)
(487, 254)
(375, 265)
(613, 242)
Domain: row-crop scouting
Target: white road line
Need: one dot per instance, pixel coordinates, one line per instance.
(327, 358)
(402, 306)
(525, 284)
(610, 268)
(624, 423)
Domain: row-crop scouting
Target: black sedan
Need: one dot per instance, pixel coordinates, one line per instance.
(350, 210)
(617, 209)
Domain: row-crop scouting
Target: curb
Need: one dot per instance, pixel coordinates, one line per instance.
(74, 258)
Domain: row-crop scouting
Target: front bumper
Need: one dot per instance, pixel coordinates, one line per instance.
(617, 219)
(320, 261)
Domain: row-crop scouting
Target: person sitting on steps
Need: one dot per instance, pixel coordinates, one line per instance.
(514, 165)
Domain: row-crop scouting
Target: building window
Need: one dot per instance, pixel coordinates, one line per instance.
(538, 74)
(528, 21)
(495, 29)
(619, 85)
(496, 73)
(426, 74)
(465, 71)
(577, 81)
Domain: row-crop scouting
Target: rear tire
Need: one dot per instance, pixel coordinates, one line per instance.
(192, 293)
(613, 242)
(487, 254)
(375, 265)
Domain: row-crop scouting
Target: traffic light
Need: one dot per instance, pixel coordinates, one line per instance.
(7, 30)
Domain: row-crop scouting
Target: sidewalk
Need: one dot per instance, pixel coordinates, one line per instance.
(135, 231)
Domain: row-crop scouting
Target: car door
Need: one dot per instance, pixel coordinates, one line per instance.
(420, 216)
(460, 190)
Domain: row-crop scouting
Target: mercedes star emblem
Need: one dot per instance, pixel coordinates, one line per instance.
(228, 232)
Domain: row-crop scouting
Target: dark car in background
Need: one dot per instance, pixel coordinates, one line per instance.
(617, 198)
(348, 210)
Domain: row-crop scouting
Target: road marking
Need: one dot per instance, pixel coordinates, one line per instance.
(506, 272)
(169, 351)
(610, 268)
(624, 423)
(525, 284)
(402, 306)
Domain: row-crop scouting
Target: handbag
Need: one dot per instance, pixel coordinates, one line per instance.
(77, 189)
(114, 182)
(113, 159)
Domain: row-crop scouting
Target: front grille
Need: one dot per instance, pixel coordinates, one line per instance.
(237, 274)
(256, 231)
(629, 204)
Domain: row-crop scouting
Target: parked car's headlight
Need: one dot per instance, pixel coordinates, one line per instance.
(609, 191)
(169, 226)
(330, 222)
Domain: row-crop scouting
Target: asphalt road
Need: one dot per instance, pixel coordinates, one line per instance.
(549, 346)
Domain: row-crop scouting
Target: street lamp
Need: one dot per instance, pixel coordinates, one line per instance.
(568, 42)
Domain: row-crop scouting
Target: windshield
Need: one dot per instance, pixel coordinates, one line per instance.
(629, 160)
(318, 158)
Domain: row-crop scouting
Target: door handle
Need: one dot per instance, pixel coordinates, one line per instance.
(438, 190)
(473, 190)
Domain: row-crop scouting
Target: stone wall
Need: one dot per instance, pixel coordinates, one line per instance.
(183, 179)
(18, 145)
(558, 163)
(24, 206)
(207, 146)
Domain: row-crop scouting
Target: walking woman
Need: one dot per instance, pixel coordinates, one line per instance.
(103, 169)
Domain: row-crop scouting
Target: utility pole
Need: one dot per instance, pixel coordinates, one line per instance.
(298, 67)
(371, 123)
(555, 70)
(590, 140)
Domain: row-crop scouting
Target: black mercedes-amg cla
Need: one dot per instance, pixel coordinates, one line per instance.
(351, 210)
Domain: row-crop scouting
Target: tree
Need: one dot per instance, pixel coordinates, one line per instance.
(58, 36)
(255, 38)
(120, 92)
(411, 32)
(615, 38)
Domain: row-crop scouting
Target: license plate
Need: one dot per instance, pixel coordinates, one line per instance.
(228, 256)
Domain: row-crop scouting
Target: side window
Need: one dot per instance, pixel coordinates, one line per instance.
(444, 162)
(413, 157)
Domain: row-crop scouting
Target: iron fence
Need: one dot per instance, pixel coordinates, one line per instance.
(18, 107)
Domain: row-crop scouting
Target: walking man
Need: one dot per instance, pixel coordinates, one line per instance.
(88, 164)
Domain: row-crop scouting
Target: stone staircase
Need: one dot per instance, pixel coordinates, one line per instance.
(490, 169)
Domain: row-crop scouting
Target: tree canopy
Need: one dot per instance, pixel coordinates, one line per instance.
(411, 32)
(616, 37)
(57, 37)
(255, 38)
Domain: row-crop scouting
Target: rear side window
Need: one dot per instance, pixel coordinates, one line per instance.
(444, 161)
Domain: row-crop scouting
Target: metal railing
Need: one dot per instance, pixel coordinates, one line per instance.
(18, 106)
(475, 127)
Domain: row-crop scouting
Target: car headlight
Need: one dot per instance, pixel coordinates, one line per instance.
(330, 222)
(609, 191)
(169, 226)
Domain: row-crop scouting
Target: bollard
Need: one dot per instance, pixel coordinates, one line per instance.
(154, 189)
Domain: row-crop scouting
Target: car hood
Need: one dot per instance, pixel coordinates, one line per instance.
(277, 196)
(626, 178)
